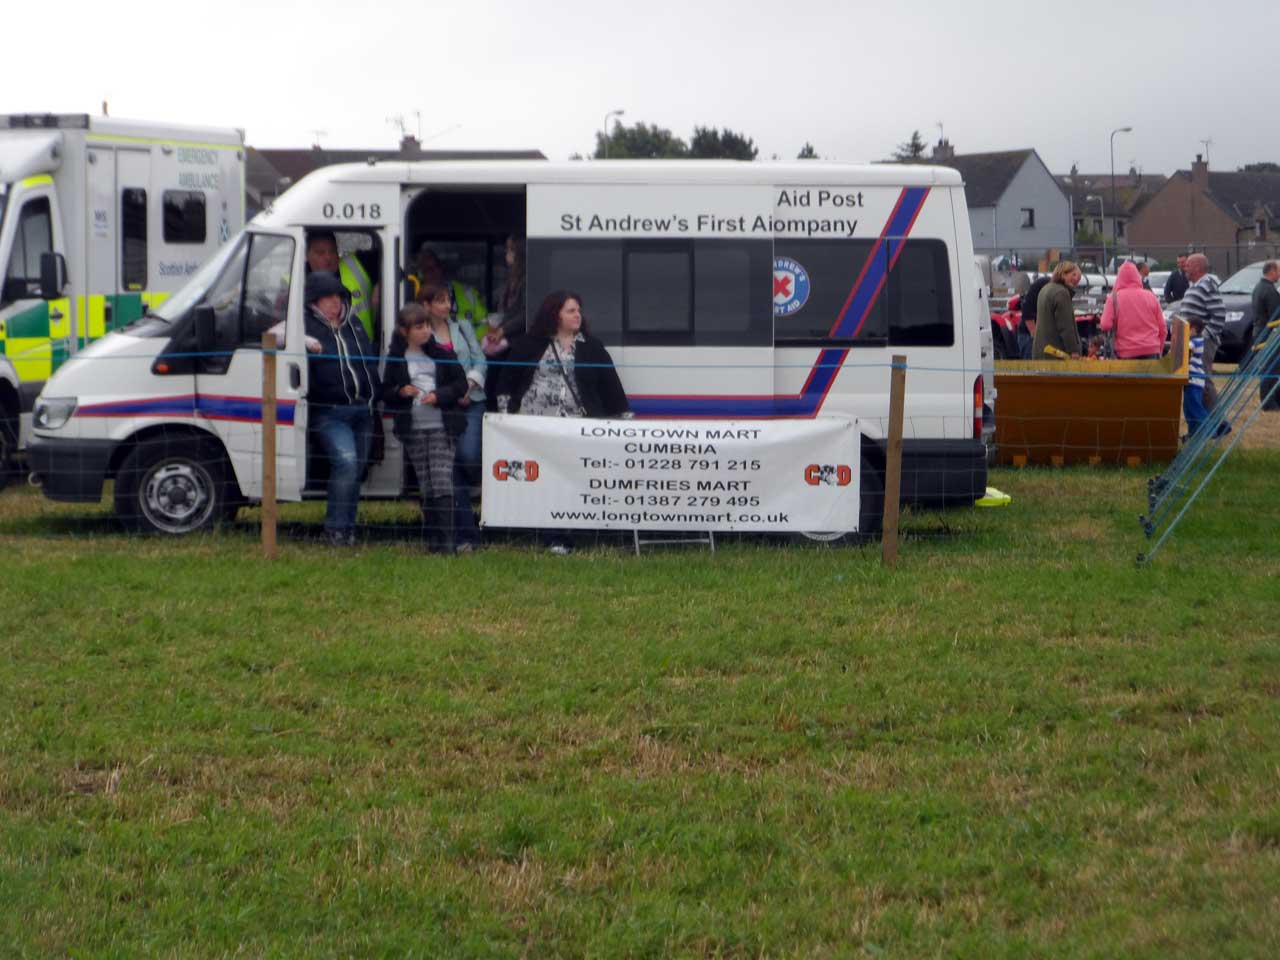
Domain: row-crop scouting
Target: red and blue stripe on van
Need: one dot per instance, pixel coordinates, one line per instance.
(875, 272)
(203, 405)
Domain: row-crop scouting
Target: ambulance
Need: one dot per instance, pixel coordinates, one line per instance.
(724, 291)
(101, 219)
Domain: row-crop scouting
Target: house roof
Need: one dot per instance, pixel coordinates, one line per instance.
(1240, 195)
(987, 175)
(1132, 192)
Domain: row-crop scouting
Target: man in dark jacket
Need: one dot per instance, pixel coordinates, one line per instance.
(1027, 325)
(1266, 306)
(1055, 315)
(1176, 286)
(343, 384)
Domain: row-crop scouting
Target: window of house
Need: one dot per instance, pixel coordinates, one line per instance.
(1028, 217)
(1097, 225)
(1119, 228)
(184, 216)
(133, 238)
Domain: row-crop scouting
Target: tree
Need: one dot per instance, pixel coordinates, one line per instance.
(913, 149)
(1265, 166)
(641, 142)
(708, 143)
(807, 152)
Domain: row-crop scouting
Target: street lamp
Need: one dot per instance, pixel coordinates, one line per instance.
(611, 113)
(1115, 207)
(1102, 212)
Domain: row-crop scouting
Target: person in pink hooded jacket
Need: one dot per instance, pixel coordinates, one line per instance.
(1136, 317)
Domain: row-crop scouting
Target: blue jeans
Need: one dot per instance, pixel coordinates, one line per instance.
(466, 447)
(1193, 407)
(466, 474)
(1025, 341)
(344, 432)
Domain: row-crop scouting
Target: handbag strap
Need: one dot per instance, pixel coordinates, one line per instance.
(565, 373)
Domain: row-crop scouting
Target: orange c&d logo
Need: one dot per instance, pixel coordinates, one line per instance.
(523, 470)
(840, 475)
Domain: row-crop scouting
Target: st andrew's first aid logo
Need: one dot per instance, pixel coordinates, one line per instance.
(790, 286)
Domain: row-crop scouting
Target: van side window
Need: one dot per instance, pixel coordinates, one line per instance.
(591, 268)
(33, 237)
(250, 295)
(184, 216)
(920, 311)
(813, 282)
(266, 291)
(133, 238)
(903, 295)
(661, 292)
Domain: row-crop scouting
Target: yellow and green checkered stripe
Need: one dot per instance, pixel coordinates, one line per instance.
(37, 344)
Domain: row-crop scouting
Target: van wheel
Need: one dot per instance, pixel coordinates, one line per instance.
(870, 510)
(172, 487)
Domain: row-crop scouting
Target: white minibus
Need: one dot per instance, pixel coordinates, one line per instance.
(723, 290)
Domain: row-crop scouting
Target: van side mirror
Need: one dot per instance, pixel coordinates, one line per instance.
(53, 275)
(206, 332)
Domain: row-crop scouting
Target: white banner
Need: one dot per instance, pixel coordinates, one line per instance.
(766, 475)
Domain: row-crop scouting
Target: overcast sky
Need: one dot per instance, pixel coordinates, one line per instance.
(852, 78)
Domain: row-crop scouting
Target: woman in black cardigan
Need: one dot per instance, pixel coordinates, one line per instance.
(558, 369)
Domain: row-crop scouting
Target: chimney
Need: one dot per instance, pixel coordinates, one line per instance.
(1200, 172)
(943, 152)
(409, 145)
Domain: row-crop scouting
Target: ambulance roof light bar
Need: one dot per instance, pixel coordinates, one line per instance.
(45, 121)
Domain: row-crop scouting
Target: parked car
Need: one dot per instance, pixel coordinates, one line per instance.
(1237, 294)
(1237, 297)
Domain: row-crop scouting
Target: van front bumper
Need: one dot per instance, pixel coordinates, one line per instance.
(72, 471)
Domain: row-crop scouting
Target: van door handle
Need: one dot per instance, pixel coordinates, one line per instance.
(295, 376)
(55, 314)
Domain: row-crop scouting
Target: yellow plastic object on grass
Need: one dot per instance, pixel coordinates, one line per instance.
(994, 498)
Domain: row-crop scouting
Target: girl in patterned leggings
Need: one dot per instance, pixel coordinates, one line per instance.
(423, 385)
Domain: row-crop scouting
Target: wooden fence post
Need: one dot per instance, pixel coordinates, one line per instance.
(269, 446)
(893, 463)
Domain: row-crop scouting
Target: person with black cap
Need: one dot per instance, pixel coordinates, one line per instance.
(343, 375)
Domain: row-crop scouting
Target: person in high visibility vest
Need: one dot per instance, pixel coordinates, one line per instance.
(468, 304)
(322, 254)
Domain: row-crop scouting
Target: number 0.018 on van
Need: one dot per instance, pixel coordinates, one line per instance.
(723, 290)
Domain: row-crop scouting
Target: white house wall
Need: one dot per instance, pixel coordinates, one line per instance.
(1032, 186)
(982, 224)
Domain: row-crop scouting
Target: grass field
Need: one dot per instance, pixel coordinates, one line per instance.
(1018, 743)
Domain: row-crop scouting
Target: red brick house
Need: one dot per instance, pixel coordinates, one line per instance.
(1234, 217)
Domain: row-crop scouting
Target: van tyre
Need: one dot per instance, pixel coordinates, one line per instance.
(870, 510)
(173, 487)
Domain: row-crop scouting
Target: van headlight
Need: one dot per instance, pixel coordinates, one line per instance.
(52, 412)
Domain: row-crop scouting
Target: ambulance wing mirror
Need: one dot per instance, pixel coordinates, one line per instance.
(53, 275)
(206, 333)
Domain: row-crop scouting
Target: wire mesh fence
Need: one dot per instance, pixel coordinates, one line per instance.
(174, 465)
